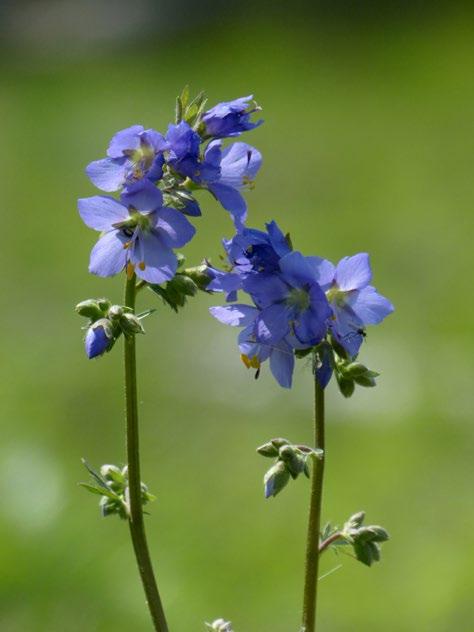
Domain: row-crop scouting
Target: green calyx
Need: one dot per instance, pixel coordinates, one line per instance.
(299, 299)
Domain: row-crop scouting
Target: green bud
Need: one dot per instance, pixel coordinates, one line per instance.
(379, 534)
(104, 304)
(199, 275)
(354, 369)
(131, 325)
(356, 520)
(90, 309)
(276, 479)
(365, 380)
(278, 442)
(346, 385)
(268, 450)
(115, 312)
(293, 459)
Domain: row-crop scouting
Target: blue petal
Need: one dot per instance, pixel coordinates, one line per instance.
(154, 260)
(174, 229)
(324, 271)
(108, 257)
(370, 306)
(234, 315)
(353, 273)
(277, 239)
(250, 348)
(232, 201)
(272, 324)
(296, 269)
(143, 195)
(108, 174)
(282, 364)
(324, 371)
(100, 212)
(265, 289)
(127, 139)
(239, 160)
(96, 342)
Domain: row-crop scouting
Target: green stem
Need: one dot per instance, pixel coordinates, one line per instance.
(314, 522)
(137, 526)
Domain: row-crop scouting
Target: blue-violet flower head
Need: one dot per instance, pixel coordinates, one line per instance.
(133, 154)
(138, 230)
(230, 118)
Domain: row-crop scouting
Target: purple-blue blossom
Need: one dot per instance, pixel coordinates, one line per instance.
(250, 251)
(354, 302)
(291, 301)
(133, 154)
(98, 338)
(253, 353)
(228, 171)
(183, 145)
(231, 118)
(138, 230)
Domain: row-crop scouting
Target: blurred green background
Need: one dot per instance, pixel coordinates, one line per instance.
(368, 146)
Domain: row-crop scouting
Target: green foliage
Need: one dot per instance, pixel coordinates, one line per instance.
(111, 484)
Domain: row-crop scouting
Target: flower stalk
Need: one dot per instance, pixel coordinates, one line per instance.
(312, 544)
(136, 522)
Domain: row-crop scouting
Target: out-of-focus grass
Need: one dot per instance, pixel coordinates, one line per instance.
(368, 146)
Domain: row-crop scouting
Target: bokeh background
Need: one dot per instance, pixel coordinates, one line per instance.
(368, 146)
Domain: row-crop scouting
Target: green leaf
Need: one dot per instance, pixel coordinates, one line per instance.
(100, 491)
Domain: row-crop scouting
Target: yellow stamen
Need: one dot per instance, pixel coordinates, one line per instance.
(141, 265)
(130, 270)
(250, 363)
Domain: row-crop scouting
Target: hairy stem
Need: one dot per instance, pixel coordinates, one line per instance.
(314, 521)
(328, 541)
(137, 526)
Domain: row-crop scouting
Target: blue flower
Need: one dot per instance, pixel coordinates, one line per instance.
(354, 302)
(99, 338)
(291, 301)
(183, 149)
(227, 172)
(133, 154)
(138, 230)
(253, 354)
(230, 118)
(250, 251)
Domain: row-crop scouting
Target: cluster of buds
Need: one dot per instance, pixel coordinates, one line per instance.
(106, 324)
(332, 357)
(365, 540)
(219, 625)
(111, 484)
(185, 284)
(291, 461)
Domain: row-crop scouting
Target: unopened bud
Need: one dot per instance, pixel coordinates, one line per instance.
(90, 309)
(99, 338)
(131, 325)
(276, 479)
(115, 312)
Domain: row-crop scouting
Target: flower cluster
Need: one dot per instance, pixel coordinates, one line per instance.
(156, 176)
(300, 304)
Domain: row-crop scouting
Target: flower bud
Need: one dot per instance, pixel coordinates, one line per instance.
(268, 450)
(293, 459)
(99, 338)
(115, 312)
(90, 309)
(365, 380)
(276, 479)
(131, 325)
